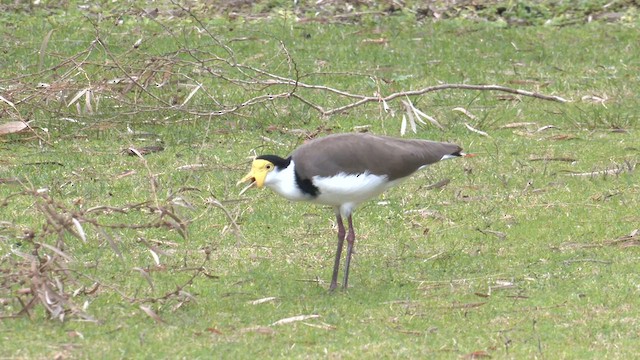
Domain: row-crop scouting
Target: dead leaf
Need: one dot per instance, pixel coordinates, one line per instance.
(192, 167)
(43, 49)
(522, 133)
(595, 99)
(480, 132)
(364, 128)
(428, 213)
(146, 276)
(416, 114)
(124, 174)
(13, 127)
(477, 355)
(5, 100)
(562, 137)
(546, 127)
(322, 326)
(268, 139)
(294, 319)
(403, 125)
(467, 305)
(214, 331)
(265, 330)
(193, 92)
(93, 289)
(518, 125)
(263, 300)
(143, 150)
(74, 333)
(551, 158)
(9, 181)
(518, 297)
(78, 96)
(466, 112)
(439, 184)
(57, 251)
(152, 314)
(155, 256)
(573, 245)
(633, 239)
(601, 172)
(504, 284)
(79, 229)
(379, 41)
(499, 234)
(619, 131)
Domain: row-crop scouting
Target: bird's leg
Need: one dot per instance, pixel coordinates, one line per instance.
(351, 237)
(336, 266)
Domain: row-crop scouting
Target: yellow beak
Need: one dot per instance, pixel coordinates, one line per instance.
(248, 177)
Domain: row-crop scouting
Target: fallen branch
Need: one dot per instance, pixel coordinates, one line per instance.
(187, 80)
(570, 261)
(619, 169)
(45, 271)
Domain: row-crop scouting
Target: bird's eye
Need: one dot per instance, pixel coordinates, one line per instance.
(268, 167)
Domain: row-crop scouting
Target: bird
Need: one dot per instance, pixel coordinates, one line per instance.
(343, 171)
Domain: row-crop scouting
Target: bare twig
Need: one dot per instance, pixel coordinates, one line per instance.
(212, 201)
(50, 270)
(429, 89)
(162, 78)
(619, 169)
(570, 261)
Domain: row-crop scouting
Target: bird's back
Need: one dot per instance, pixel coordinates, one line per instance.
(359, 153)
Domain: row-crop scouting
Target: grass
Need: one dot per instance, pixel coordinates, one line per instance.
(514, 258)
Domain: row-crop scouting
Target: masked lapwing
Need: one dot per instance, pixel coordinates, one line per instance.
(343, 171)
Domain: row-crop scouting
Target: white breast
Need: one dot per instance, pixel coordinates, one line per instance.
(346, 191)
(342, 191)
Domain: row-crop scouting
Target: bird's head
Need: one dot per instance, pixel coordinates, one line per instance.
(260, 168)
(264, 170)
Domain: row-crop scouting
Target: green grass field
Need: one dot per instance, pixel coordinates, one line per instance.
(121, 198)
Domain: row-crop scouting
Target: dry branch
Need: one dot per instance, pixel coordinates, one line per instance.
(45, 271)
(196, 80)
(615, 170)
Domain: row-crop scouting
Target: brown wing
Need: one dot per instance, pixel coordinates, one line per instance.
(357, 153)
